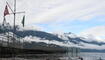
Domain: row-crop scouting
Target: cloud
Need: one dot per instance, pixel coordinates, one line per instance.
(36, 39)
(34, 27)
(39, 11)
(52, 12)
(95, 33)
(92, 46)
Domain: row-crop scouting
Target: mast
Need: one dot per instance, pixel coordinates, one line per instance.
(14, 17)
(14, 13)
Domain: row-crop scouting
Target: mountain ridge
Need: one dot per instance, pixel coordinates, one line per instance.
(64, 39)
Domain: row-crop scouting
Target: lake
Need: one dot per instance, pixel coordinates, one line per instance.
(92, 56)
(85, 55)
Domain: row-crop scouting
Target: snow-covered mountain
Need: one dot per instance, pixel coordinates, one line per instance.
(54, 39)
(82, 42)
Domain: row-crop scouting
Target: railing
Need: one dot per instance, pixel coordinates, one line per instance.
(9, 41)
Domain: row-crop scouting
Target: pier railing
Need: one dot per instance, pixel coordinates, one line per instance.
(7, 41)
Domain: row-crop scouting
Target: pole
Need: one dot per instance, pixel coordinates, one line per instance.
(14, 15)
(14, 28)
(14, 20)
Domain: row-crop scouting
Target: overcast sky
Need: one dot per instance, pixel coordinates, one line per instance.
(84, 17)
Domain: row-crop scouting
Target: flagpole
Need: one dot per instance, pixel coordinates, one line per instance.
(14, 27)
(9, 7)
(14, 17)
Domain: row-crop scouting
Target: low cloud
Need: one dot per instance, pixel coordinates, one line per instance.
(96, 33)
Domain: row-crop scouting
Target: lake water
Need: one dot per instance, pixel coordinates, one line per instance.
(86, 56)
(92, 56)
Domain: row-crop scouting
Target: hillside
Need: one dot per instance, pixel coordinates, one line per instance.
(37, 37)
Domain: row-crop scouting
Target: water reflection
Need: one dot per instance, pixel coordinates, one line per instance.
(38, 57)
(62, 56)
(72, 54)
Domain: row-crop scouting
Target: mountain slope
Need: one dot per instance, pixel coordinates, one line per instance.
(64, 39)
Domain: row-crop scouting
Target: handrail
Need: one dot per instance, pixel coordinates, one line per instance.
(7, 41)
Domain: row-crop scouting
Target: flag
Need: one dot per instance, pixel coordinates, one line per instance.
(4, 21)
(6, 12)
(23, 20)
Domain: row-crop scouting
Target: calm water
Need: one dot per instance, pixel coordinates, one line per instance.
(92, 56)
(86, 56)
